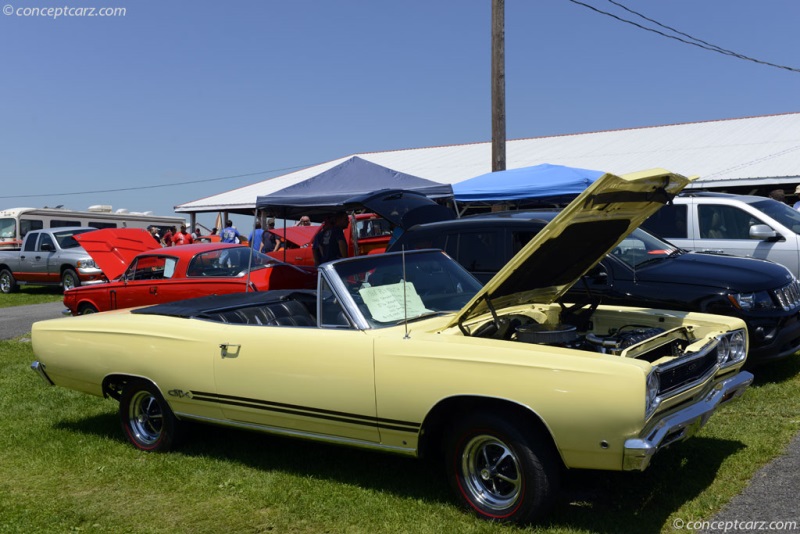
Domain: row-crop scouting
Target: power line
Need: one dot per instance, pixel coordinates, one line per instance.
(693, 40)
(190, 182)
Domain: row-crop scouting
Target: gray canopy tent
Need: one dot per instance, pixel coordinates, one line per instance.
(329, 191)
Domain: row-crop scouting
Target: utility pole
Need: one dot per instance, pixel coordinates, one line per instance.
(498, 86)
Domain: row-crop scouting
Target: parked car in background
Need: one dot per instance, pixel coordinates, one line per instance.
(741, 225)
(50, 257)
(143, 273)
(365, 233)
(642, 270)
(407, 353)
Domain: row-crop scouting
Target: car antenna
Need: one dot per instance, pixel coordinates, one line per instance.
(405, 301)
(250, 250)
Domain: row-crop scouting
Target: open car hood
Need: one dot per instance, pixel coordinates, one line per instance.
(575, 240)
(297, 235)
(401, 208)
(113, 249)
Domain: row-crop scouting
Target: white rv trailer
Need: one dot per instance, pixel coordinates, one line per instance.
(16, 222)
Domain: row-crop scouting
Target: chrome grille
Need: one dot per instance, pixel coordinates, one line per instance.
(789, 295)
(686, 371)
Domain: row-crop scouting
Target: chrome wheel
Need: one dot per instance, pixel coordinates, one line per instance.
(491, 472)
(145, 418)
(500, 467)
(7, 282)
(70, 279)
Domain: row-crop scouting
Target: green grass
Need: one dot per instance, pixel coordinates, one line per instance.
(31, 295)
(65, 467)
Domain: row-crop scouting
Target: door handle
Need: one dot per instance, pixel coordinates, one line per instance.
(153, 290)
(229, 350)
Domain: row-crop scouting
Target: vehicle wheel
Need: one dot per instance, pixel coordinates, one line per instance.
(7, 282)
(69, 279)
(85, 309)
(147, 419)
(500, 472)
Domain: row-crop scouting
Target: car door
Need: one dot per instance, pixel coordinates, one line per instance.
(725, 229)
(143, 281)
(33, 260)
(301, 380)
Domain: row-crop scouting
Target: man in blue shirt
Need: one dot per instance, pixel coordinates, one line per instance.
(230, 234)
(255, 237)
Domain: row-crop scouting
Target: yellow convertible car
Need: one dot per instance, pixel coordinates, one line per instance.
(406, 353)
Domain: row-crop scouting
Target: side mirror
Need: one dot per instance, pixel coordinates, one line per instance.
(763, 232)
(47, 247)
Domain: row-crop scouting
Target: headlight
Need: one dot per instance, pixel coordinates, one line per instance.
(760, 300)
(651, 395)
(732, 348)
(86, 264)
(723, 349)
(738, 350)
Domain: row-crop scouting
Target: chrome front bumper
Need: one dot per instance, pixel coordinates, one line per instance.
(39, 368)
(683, 423)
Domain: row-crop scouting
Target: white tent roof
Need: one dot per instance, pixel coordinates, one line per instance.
(724, 153)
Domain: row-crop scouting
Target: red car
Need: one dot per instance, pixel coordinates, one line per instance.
(142, 273)
(370, 235)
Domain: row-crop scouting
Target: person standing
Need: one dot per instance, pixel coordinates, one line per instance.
(166, 240)
(797, 192)
(230, 234)
(256, 236)
(329, 243)
(182, 237)
(154, 232)
(268, 242)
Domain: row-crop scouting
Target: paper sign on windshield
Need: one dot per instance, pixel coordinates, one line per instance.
(385, 303)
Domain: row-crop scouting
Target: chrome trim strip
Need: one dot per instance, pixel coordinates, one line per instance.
(307, 411)
(40, 370)
(337, 440)
(682, 424)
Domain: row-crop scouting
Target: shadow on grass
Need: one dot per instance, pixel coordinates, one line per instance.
(776, 372)
(41, 290)
(603, 502)
(617, 502)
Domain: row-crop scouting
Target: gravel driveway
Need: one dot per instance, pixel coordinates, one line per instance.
(17, 320)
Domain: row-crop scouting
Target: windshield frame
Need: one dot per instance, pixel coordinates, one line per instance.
(370, 288)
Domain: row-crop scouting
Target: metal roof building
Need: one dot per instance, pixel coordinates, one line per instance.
(741, 155)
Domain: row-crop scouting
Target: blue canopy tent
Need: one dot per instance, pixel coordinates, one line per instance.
(540, 184)
(330, 190)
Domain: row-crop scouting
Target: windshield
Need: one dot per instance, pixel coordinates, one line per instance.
(228, 261)
(786, 215)
(8, 228)
(640, 248)
(65, 239)
(434, 283)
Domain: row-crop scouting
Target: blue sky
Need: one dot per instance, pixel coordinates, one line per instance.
(179, 91)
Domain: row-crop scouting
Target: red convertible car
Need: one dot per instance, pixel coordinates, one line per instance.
(141, 272)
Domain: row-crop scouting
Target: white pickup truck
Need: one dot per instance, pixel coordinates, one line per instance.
(48, 257)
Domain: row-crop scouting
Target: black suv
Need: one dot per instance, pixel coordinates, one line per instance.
(643, 270)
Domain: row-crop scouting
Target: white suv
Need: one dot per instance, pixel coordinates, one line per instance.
(741, 225)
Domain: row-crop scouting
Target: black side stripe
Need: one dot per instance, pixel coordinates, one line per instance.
(317, 413)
